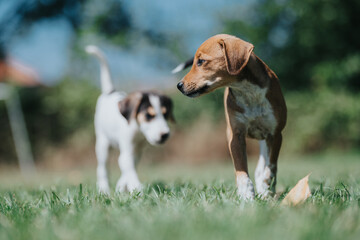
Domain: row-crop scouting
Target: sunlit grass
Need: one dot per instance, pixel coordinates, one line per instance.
(185, 202)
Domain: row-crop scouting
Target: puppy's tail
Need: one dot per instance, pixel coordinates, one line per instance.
(105, 76)
(182, 66)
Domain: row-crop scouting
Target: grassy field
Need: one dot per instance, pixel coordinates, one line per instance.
(183, 202)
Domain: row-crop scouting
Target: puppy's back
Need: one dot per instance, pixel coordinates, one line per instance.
(108, 120)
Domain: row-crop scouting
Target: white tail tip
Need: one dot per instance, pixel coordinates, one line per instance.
(179, 68)
(92, 49)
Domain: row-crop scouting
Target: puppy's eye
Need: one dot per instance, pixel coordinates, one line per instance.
(200, 62)
(148, 116)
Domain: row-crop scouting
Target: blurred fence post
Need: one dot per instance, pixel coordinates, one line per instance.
(18, 128)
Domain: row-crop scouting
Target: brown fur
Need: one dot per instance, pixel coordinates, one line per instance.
(228, 61)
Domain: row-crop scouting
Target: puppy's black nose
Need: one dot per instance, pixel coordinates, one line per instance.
(164, 136)
(180, 86)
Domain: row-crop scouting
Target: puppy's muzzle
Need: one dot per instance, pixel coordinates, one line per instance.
(164, 137)
(194, 93)
(180, 86)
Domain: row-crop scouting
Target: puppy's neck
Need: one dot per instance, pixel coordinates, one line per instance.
(252, 83)
(247, 94)
(256, 72)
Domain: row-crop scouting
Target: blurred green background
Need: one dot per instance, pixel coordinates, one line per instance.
(313, 47)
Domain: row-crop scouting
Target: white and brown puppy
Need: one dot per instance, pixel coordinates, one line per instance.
(254, 105)
(126, 122)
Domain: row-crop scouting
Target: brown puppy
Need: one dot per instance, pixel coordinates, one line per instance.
(254, 105)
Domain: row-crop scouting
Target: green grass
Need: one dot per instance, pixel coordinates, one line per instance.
(184, 202)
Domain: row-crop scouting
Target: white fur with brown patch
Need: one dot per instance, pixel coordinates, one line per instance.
(154, 129)
(112, 128)
(128, 134)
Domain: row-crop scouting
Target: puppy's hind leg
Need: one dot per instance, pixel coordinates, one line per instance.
(265, 173)
(129, 180)
(102, 149)
(275, 143)
(262, 171)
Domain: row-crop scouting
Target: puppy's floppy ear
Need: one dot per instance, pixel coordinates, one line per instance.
(236, 52)
(129, 106)
(168, 104)
(171, 112)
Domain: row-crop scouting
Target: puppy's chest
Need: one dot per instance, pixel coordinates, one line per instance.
(257, 114)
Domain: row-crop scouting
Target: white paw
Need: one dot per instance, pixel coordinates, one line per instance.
(128, 183)
(103, 187)
(134, 186)
(263, 180)
(245, 187)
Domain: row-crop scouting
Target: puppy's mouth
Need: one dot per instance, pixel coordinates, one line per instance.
(197, 92)
(163, 138)
(160, 142)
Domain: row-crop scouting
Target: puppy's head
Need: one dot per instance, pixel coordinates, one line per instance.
(151, 111)
(216, 64)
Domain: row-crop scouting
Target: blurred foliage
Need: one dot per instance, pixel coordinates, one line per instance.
(62, 110)
(18, 20)
(114, 21)
(309, 44)
(27, 12)
(322, 120)
(188, 110)
(54, 115)
(110, 20)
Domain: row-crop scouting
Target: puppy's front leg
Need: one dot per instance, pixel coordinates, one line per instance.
(237, 147)
(129, 180)
(101, 149)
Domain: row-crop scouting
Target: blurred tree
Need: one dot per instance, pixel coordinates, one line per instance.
(115, 20)
(111, 19)
(22, 13)
(107, 19)
(309, 44)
